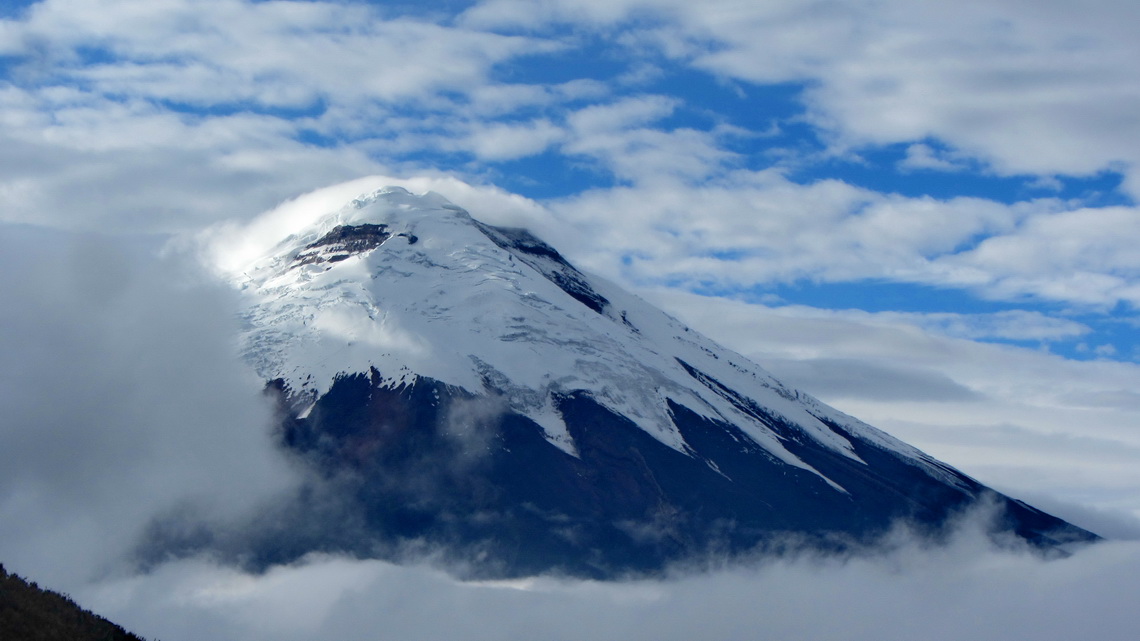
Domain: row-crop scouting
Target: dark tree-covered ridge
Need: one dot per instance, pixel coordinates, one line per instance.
(31, 613)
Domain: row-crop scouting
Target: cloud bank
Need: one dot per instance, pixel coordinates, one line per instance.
(964, 590)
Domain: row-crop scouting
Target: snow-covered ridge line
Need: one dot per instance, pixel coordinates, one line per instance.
(412, 286)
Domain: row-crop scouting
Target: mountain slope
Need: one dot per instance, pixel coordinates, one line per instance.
(471, 389)
(30, 613)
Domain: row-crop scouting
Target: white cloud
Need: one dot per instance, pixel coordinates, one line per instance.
(1082, 255)
(497, 99)
(922, 156)
(775, 230)
(526, 14)
(1105, 350)
(506, 142)
(282, 54)
(624, 114)
(1038, 88)
(966, 590)
(1030, 89)
(621, 137)
(161, 189)
(739, 229)
(1017, 325)
(123, 402)
(87, 114)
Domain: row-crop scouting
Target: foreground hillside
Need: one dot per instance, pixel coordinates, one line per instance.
(31, 613)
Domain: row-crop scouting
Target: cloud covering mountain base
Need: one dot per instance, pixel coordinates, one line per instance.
(967, 589)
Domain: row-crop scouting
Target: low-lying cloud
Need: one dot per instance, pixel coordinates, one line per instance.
(967, 589)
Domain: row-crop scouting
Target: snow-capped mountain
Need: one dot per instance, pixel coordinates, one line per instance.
(488, 396)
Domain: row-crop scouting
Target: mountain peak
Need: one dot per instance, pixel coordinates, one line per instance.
(396, 306)
(388, 283)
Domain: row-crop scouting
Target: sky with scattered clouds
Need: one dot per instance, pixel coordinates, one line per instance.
(925, 214)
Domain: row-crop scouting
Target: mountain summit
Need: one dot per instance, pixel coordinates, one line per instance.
(472, 392)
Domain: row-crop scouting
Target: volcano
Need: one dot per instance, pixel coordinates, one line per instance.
(465, 389)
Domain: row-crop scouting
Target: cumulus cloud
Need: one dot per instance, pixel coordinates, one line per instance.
(153, 172)
(1027, 88)
(501, 142)
(747, 227)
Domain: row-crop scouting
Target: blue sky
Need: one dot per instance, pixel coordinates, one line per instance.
(924, 214)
